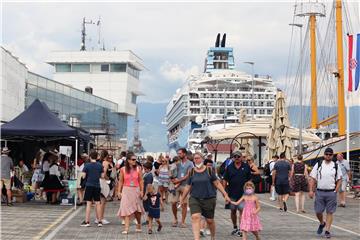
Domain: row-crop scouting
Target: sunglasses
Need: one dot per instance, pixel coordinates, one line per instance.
(237, 156)
(133, 159)
(328, 154)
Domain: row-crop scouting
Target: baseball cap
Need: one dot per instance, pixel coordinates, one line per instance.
(236, 153)
(329, 150)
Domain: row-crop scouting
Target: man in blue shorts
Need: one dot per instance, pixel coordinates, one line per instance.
(235, 177)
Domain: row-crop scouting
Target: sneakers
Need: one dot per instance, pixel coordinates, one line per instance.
(320, 228)
(239, 233)
(100, 224)
(272, 199)
(285, 207)
(105, 222)
(235, 231)
(207, 232)
(202, 233)
(85, 224)
(327, 234)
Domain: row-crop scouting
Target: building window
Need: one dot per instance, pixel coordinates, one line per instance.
(133, 98)
(121, 67)
(63, 67)
(104, 67)
(222, 111)
(81, 68)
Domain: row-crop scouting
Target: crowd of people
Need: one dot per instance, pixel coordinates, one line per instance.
(188, 182)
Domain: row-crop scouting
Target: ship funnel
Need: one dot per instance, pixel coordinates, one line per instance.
(217, 43)
(223, 41)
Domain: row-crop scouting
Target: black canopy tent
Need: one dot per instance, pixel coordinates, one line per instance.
(37, 122)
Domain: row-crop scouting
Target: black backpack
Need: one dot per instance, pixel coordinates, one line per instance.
(267, 171)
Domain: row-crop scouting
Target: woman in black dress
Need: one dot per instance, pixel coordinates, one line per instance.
(54, 185)
(299, 175)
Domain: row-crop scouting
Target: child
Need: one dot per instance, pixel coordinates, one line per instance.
(153, 200)
(148, 179)
(250, 221)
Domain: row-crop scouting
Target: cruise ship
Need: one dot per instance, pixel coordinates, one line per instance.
(213, 99)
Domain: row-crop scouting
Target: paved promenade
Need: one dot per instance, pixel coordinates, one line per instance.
(34, 221)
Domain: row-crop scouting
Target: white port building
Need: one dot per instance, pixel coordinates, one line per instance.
(113, 75)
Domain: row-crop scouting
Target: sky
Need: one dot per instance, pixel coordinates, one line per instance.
(171, 38)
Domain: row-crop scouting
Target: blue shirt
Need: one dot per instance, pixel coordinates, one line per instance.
(183, 169)
(282, 168)
(148, 179)
(237, 177)
(93, 172)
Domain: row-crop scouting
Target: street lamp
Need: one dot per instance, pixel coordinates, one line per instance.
(301, 87)
(252, 89)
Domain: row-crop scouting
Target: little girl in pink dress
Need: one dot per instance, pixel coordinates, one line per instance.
(250, 221)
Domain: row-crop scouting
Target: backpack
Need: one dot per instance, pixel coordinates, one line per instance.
(223, 167)
(267, 171)
(319, 168)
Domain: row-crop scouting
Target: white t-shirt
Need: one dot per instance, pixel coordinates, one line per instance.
(45, 166)
(344, 166)
(325, 176)
(271, 166)
(54, 170)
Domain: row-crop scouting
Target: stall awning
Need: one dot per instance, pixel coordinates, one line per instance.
(38, 121)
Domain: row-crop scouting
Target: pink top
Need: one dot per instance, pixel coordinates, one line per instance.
(131, 179)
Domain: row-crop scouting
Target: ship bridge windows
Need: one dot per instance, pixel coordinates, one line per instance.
(104, 68)
(118, 67)
(80, 67)
(63, 67)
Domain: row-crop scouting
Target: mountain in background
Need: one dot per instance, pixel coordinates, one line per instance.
(153, 132)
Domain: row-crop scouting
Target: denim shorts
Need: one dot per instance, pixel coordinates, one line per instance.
(325, 201)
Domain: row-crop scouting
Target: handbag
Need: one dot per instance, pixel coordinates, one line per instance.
(83, 182)
(255, 178)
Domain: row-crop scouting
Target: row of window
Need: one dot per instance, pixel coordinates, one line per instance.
(235, 103)
(80, 67)
(221, 95)
(222, 111)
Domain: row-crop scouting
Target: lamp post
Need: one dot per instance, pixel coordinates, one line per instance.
(301, 87)
(252, 90)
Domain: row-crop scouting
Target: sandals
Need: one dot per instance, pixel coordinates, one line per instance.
(183, 225)
(150, 231)
(125, 232)
(175, 224)
(159, 227)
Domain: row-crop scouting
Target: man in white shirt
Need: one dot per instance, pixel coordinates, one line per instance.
(326, 177)
(271, 167)
(344, 168)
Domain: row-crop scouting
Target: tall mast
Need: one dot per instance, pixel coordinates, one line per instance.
(314, 113)
(312, 9)
(340, 70)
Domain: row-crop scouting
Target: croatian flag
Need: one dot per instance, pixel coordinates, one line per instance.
(354, 62)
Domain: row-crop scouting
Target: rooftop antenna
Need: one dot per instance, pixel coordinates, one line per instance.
(103, 47)
(83, 33)
(99, 33)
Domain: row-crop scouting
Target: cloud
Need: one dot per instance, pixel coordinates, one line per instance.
(177, 73)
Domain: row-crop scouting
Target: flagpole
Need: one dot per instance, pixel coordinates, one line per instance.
(348, 126)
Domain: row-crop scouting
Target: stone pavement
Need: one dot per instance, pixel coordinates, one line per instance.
(277, 225)
(30, 220)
